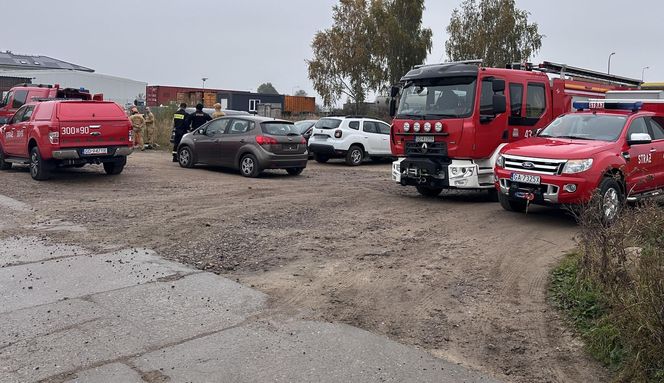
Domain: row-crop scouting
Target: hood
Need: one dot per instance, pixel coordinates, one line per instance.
(556, 148)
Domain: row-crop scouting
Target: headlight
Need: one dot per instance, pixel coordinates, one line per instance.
(416, 126)
(427, 127)
(439, 127)
(406, 127)
(500, 161)
(577, 166)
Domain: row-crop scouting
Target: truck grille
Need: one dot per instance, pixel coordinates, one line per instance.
(534, 165)
(429, 149)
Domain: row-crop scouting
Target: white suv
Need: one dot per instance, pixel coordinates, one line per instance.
(352, 138)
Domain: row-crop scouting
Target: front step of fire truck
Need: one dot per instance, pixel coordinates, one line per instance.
(446, 174)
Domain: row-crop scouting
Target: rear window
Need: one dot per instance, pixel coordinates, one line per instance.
(87, 110)
(328, 123)
(279, 128)
(44, 111)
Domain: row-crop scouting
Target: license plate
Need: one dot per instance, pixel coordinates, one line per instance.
(291, 147)
(424, 139)
(526, 179)
(95, 151)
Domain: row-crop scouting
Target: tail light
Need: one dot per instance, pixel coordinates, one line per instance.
(131, 133)
(303, 141)
(337, 133)
(54, 138)
(264, 140)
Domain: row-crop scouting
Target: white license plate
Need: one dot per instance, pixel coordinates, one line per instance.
(424, 139)
(95, 151)
(526, 179)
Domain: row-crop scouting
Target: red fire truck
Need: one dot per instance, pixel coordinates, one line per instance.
(21, 94)
(452, 119)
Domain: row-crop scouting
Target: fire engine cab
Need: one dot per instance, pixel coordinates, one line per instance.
(22, 94)
(452, 119)
(612, 146)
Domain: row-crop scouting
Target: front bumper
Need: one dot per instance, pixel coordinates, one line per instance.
(77, 153)
(437, 173)
(551, 191)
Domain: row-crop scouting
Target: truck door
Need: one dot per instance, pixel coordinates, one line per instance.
(528, 109)
(490, 130)
(641, 168)
(11, 145)
(23, 131)
(372, 138)
(657, 128)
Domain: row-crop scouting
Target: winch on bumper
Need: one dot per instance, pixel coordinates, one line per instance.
(436, 173)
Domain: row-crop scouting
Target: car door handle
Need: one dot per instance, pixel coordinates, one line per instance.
(653, 150)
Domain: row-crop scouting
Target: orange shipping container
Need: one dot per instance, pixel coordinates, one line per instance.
(299, 104)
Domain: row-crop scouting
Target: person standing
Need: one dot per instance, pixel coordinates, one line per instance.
(137, 125)
(217, 111)
(197, 119)
(180, 119)
(149, 129)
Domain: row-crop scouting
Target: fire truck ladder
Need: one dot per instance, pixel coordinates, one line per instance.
(477, 62)
(580, 73)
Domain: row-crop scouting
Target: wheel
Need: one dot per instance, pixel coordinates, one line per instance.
(249, 166)
(186, 157)
(39, 168)
(115, 167)
(493, 195)
(512, 204)
(295, 171)
(354, 156)
(611, 199)
(429, 191)
(4, 165)
(320, 159)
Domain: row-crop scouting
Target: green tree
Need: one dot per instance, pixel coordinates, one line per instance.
(402, 42)
(301, 93)
(344, 62)
(495, 31)
(267, 88)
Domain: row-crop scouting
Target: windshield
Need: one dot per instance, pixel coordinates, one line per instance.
(451, 97)
(280, 129)
(586, 127)
(328, 123)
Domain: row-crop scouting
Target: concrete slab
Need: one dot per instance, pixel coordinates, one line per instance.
(33, 249)
(114, 372)
(41, 283)
(299, 351)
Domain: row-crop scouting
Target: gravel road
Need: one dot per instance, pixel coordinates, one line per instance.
(456, 275)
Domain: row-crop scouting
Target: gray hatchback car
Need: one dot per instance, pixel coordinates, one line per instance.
(249, 144)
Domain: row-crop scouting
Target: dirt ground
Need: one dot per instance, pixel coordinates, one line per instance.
(456, 275)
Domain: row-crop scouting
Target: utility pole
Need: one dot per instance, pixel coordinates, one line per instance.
(203, 95)
(608, 71)
(643, 73)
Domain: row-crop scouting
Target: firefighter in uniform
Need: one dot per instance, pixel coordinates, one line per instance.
(180, 118)
(217, 111)
(197, 119)
(137, 125)
(149, 129)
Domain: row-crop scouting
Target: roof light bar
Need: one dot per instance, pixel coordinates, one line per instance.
(634, 106)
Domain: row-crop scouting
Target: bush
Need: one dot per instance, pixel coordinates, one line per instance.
(613, 290)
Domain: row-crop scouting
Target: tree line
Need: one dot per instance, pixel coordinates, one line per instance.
(372, 43)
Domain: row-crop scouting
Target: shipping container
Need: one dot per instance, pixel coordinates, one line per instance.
(295, 105)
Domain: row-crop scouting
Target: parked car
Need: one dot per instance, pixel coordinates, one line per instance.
(249, 144)
(62, 133)
(352, 138)
(306, 128)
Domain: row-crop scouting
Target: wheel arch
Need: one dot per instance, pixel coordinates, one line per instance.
(618, 175)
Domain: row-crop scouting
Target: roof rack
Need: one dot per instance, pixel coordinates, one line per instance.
(563, 70)
(478, 62)
(42, 99)
(356, 116)
(25, 84)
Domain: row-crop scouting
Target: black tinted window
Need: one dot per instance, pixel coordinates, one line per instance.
(657, 124)
(354, 125)
(516, 99)
(328, 123)
(17, 116)
(536, 101)
(278, 128)
(370, 127)
(19, 98)
(384, 128)
(217, 127)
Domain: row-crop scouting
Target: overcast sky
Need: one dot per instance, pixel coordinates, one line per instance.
(240, 44)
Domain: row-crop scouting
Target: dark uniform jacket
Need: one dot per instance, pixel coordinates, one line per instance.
(180, 120)
(197, 119)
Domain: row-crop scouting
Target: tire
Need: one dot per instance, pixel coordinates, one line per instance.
(354, 156)
(429, 191)
(611, 199)
(186, 157)
(511, 204)
(4, 165)
(115, 168)
(40, 169)
(249, 166)
(320, 159)
(493, 195)
(295, 171)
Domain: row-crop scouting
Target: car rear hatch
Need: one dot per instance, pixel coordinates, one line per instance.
(281, 137)
(93, 124)
(324, 129)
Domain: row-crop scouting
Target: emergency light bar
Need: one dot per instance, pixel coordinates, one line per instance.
(634, 106)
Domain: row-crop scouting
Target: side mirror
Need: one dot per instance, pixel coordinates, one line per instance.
(639, 139)
(201, 131)
(3, 120)
(498, 85)
(394, 91)
(393, 107)
(499, 103)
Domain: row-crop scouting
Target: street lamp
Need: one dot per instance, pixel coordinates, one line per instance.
(643, 72)
(608, 71)
(203, 97)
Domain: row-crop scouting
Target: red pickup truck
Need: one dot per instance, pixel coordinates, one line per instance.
(21, 94)
(614, 147)
(64, 133)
